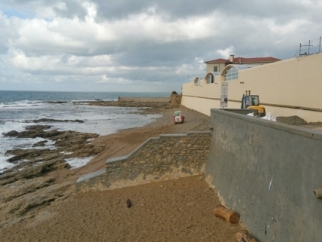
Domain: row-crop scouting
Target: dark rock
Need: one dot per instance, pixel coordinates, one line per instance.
(42, 120)
(68, 141)
(58, 102)
(22, 187)
(28, 195)
(50, 133)
(12, 133)
(40, 143)
(128, 203)
(33, 132)
(63, 165)
(33, 171)
(38, 127)
(20, 154)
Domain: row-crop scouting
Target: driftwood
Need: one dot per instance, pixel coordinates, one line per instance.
(244, 236)
(228, 215)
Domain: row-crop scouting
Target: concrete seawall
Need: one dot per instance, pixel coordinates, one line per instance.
(267, 172)
(159, 158)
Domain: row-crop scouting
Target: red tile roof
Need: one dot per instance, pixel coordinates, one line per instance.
(243, 60)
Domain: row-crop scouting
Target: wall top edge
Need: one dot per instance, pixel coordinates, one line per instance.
(118, 158)
(199, 132)
(173, 135)
(91, 175)
(314, 134)
(186, 134)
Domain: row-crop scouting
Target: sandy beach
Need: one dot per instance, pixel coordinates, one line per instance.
(175, 210)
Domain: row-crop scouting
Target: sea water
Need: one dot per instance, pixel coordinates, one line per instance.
(18, 109)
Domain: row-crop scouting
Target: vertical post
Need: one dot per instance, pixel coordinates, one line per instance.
(308, 48)
(300, 50)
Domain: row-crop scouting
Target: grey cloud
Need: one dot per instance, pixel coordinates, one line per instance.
(157, 61)
(74, 9)
(282, 11)
(158, 55)
(43, 49)
(122, 9)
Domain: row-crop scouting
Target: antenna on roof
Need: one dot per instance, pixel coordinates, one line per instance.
(308, 49)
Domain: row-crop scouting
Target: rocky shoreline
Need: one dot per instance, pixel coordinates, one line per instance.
(40, 175)
(69, 144)
(20, 185)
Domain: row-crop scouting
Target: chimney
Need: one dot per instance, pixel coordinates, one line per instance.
(231, 58)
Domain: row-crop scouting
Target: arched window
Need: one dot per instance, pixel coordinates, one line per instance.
(197, 81)
(210, 78)
(231, 73)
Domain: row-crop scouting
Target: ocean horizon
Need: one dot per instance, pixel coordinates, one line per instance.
(13, 96)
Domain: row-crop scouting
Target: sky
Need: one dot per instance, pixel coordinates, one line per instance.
(143, 45)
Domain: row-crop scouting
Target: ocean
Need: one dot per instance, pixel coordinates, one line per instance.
(18, 109)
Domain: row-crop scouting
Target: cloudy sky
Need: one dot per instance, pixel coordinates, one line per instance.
(142, 45)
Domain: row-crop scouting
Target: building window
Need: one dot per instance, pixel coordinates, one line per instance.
(215, 68)
(210, 78)
(197, 81)
(231, 74)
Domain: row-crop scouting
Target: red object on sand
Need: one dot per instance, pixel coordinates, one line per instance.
(178, 117)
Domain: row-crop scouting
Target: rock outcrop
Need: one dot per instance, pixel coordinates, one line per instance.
(27, 185)
(174, 102)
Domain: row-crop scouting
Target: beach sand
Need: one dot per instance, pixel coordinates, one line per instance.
(175, 210)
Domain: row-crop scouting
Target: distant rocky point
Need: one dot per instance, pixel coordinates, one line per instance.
(173, 101)
(56, 120)
(56, 101)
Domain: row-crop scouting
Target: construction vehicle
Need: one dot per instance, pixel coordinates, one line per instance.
(252, 102)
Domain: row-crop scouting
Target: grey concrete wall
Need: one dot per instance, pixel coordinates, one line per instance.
(267, 172)
(159, 158)
(242, 111)
(144, 99)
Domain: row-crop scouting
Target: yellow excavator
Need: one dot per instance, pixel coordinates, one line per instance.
(252, 102)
